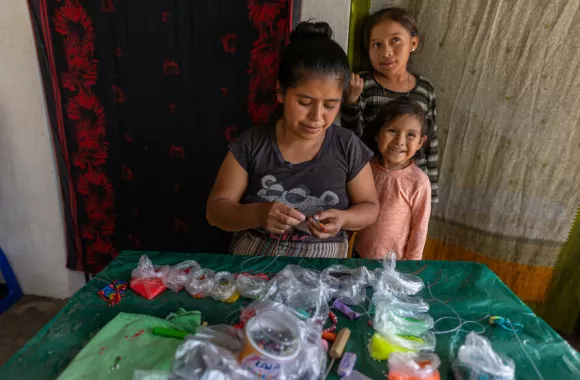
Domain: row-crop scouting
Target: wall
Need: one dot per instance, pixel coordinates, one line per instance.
(335, 12)
(31, 222)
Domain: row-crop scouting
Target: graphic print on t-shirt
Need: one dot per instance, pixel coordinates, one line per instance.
(298, 198)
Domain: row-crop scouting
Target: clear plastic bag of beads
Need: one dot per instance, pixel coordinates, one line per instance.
(274, 335)
(476, 359)
(224, 286)
(200, 283)
(146, 269)
(411, 365)
(302, 290)
(413, 304)
(351, 283)
(176, 277)
(400, 321)
(251, 286)
(387, 279)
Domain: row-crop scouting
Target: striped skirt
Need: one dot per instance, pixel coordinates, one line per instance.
(294, 243)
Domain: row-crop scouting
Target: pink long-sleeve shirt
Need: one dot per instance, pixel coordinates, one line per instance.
(405, 207)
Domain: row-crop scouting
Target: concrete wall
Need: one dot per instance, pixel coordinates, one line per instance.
(335, 12)
(31, 222)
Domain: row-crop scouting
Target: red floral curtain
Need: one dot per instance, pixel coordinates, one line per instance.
(143, 99)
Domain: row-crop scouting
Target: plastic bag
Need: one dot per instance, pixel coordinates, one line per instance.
(303, 290)
(476, 359)
(351, 283)
(224, 286)
(147, 280)
(211, 354)
(176, 278)
(414, 366)
(200, 283)
(401, 302)
(387, 279)
(402, 321)
(310, 360)
(250, 286)
(214, 352)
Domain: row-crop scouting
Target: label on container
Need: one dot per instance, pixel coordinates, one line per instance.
(262, 368)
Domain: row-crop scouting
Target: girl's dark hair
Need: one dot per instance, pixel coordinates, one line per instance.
(312, 51)
(399, 15)
(389, 113)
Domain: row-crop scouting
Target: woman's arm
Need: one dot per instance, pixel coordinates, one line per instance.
(362, 194)
(225, 211)
(363, 211)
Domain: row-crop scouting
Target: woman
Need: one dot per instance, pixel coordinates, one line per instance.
(293, 187)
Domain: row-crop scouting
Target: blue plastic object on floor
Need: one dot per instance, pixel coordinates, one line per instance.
(14, 292)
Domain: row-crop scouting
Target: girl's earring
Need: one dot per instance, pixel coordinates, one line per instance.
(413, 50)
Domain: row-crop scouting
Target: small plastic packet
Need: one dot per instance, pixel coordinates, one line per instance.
(351, 283)
(414, 366)
(476, 359)
(224, 286)
(147, 280)
(387, 279)
(176, 278)
(251, 286)
(200, 283)
(401, 302)
(401, 321)
(302, 290)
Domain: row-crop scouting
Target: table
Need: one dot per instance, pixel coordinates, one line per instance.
(470, 288)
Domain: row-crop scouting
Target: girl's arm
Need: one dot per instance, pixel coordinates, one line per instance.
(353, 106)
(420, 214)
(431, 151)
(225, 211)
(352, 117)
(363, 211)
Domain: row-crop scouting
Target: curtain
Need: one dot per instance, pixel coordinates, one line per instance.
(507, 79)
(143, 98)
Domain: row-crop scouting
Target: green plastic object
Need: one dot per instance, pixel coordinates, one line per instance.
(469, 288)
(170, 333)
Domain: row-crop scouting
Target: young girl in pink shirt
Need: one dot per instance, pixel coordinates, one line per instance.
(403, 188)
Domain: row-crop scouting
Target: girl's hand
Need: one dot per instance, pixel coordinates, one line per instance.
(355, 88)
(329, 223)
(276, 217)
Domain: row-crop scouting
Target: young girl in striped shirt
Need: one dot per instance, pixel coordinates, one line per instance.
(391, 36)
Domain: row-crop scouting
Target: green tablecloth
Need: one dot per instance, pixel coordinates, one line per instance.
(470, 288)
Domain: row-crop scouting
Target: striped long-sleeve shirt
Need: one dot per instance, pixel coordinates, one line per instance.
(358, 116)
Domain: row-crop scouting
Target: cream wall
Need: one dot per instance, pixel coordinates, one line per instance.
(335, 12)
(31, 222)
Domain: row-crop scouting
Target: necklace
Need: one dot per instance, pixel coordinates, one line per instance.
(408, 86)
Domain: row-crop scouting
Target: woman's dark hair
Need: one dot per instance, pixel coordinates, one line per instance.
(399, 15)
(392, 111)
(312, 51)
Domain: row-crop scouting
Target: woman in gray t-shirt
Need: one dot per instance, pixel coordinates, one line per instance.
(294, 186)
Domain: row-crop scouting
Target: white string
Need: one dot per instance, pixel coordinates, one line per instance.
(462, 322)
(525, 351)
(277, 253)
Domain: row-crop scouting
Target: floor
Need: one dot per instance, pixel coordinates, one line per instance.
(23, 320)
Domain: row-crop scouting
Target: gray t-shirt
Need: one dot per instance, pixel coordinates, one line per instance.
(311, 186)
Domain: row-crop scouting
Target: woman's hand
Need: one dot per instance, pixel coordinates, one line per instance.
(355, 88)
(329, 223)
(276, 217)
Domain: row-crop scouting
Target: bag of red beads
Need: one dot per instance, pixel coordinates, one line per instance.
(147, 280)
